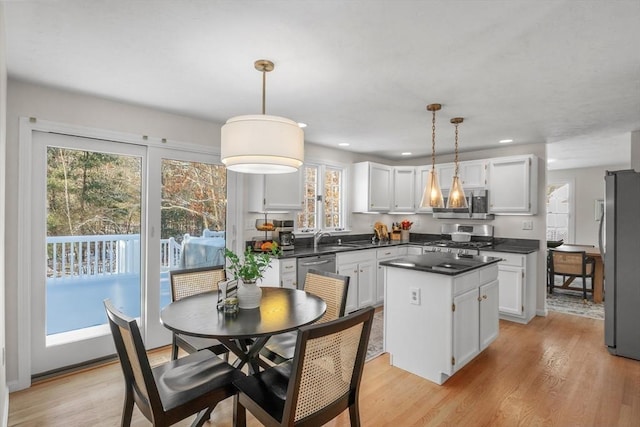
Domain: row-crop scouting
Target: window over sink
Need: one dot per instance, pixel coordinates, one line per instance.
(323, 198)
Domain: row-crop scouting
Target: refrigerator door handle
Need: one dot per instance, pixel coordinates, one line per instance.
(601, 236)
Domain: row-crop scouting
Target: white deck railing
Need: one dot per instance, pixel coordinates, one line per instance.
(82, 256)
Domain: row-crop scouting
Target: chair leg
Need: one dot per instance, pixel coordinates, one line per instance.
(127, 409)
(584, 288)
(354, 414)
(202, 417)
(239, 413)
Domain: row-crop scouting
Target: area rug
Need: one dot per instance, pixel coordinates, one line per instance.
(376, 345)
(570, 302)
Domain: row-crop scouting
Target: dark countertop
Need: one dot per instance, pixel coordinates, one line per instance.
(516, 246)
(332, 248)
(441, 263)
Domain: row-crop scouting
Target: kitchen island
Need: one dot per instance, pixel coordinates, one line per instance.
(441, 311)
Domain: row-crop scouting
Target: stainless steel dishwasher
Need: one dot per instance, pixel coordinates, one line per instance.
(317, 262)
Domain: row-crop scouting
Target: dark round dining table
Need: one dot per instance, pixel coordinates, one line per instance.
(244, 333)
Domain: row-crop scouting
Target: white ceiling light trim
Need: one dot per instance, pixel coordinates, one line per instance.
(262, 143)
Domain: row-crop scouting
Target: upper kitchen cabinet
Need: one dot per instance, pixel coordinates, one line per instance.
(513, 185)
(422, 178)
(372, 184)
(403, 195)
(473, 174)
(445, 175)
(275, 192)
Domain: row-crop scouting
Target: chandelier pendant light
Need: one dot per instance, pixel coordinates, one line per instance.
(432, 195)
(262, 143)
(457, 197)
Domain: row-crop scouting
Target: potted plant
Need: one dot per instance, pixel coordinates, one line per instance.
(247, 271)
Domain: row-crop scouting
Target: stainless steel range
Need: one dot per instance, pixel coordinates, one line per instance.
(481, 237)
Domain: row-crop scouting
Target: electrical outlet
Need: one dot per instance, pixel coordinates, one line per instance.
(415, 296)
(527, 225)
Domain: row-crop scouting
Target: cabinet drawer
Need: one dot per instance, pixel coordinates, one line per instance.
(385, 253)
(465, 282)
(288, 265)
(515, 260)
(488, 274)
(355, 256)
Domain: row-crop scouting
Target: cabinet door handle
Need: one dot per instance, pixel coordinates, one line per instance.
(484, 297)
(479, 299)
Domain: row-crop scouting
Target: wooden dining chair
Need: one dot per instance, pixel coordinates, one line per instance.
(318, 384)
(332, 288)
(572, 264)
(173, 391)
(191, 281)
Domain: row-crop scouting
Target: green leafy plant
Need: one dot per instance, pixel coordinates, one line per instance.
(252, 266)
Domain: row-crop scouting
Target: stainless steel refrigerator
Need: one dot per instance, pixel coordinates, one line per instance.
(622, 263)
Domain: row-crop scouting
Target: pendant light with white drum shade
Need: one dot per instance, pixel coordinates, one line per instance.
(262, 143)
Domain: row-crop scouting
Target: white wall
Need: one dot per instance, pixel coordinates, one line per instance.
(635, 150)
(589, 187)
(4, 392)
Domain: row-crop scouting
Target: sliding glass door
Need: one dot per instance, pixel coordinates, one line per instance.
(87, 245)
(111, 220)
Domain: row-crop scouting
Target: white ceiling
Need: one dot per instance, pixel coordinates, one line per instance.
(357, 71)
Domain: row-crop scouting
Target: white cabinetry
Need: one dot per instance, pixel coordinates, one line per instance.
(489, 314)
(403, 195)
(445, 175)
(359, 266)
(274, 192)
(371, 187)
(513, 185)
(517, 285)
(282, 272)
(422, 178)
(385, 254)
(414, 250)
(452, 319)
(473, 174)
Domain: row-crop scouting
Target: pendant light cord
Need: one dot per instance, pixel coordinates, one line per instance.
(264, 91)
(433, 141)
(456, 151)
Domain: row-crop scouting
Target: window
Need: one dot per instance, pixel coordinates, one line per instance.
(323, 202)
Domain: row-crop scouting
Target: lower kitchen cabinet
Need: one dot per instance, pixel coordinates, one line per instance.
(384, 255)
(517, 285)
(475, 322)
(282, 272)
(359, 266)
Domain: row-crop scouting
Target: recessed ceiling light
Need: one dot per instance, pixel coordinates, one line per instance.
(302, 125)
(551, 160)
(344, 144)
(407, 153)
(505, 141)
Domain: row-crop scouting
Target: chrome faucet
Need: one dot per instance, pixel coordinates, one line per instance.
(317, 236)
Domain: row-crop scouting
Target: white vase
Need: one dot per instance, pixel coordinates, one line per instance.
(249, 295)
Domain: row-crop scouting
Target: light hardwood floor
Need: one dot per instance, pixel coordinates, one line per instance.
(553, 372)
